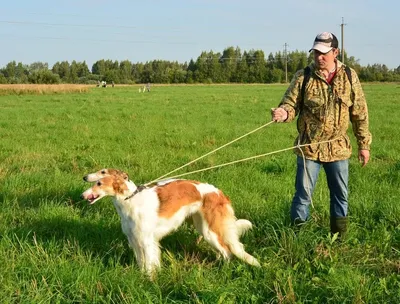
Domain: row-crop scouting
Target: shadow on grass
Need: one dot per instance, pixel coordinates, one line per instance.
(34, 198)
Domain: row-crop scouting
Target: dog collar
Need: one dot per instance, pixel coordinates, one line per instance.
(138, 189)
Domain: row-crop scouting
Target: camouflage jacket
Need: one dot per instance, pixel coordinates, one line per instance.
(326, 112)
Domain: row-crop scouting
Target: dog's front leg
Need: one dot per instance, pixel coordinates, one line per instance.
(152, 255)
(138, 250)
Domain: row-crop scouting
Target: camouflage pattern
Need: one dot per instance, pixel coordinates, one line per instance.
(326, 113)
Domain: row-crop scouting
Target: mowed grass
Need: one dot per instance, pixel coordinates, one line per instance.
(54, 248)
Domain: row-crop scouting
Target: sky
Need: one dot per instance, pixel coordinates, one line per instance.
(139, 31)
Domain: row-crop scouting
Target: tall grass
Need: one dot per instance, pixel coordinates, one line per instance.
(40, 89)
(55, 248)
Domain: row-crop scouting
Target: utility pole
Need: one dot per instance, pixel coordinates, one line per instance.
(342, 38)
(286, 61)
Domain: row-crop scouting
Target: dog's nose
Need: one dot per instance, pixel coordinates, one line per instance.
(85, 178)
(82, 197)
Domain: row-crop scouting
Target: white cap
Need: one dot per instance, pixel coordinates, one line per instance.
(324, 42)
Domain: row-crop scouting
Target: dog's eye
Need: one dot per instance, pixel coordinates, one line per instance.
(98, 184)
(103, 172)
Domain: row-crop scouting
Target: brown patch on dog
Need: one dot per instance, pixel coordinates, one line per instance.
(111, 185)
(115, 172)
(175, 195)
(119, 185)
(215, 210)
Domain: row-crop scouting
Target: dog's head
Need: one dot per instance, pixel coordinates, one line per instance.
(112, 185)
(94, 177)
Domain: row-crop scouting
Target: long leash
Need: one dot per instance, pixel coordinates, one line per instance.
(215, 150)
(306, 173)
(236, 161)
(242, 160)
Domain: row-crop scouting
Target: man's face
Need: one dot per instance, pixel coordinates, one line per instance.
(323, 61)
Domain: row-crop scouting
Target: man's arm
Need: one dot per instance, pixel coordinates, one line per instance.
(360, 121)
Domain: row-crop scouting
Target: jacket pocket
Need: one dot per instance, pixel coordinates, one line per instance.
(315, 105)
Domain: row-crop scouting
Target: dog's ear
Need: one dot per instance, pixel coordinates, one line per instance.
(118, 185)
(120, 173)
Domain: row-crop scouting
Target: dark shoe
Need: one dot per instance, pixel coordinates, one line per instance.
(297, 224)
(339, 225)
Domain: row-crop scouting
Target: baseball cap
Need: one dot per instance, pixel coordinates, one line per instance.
(324, 42)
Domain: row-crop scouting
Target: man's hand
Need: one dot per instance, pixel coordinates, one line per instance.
(363, 157)
(279, 114)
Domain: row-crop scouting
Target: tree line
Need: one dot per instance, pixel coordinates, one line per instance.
(230, 66)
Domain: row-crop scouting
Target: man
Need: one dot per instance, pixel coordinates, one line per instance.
(331, 98)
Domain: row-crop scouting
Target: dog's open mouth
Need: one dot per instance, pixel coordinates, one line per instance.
(91, 198)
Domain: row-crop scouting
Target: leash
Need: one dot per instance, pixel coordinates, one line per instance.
(242, 160)
(215, 150)
(298, 146)
(305, 172)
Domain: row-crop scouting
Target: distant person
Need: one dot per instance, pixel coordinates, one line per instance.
(98, 83)
(148, 87)
(112, 83)
(326, 103)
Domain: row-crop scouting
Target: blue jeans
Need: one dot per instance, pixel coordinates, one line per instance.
(337, 175)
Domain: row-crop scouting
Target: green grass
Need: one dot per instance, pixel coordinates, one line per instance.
(55, 248)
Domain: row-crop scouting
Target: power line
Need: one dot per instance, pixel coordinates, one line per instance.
(100, 40)
(48, 24)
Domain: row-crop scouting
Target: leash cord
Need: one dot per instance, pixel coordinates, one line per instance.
(215, 150)
(306, 176)
(238, 161)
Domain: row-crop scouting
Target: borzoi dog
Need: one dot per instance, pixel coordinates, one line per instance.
(149, 214)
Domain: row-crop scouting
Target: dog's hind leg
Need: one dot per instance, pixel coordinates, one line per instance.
(225, 229)
(198, 224)
(231, 238)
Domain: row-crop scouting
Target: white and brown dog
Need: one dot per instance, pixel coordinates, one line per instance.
(149, 214)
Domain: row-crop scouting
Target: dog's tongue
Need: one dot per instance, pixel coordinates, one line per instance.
(91, 197)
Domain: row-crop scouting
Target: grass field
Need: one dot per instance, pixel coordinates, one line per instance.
(55, 248)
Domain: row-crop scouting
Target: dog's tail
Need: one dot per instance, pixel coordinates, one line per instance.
(243, 226)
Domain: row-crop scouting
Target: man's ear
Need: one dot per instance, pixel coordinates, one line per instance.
(336, 52)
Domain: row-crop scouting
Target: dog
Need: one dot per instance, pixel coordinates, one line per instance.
(150, 213)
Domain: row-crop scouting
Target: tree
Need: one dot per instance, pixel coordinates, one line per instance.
(3, 79)
(38, 66)
(73, 72)
(62, 69)
(9, 71)
(99, 67)
(82, 69)
(257, 66)
(43, 77)
(125, 70)
(229, 59)
(21, 73)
